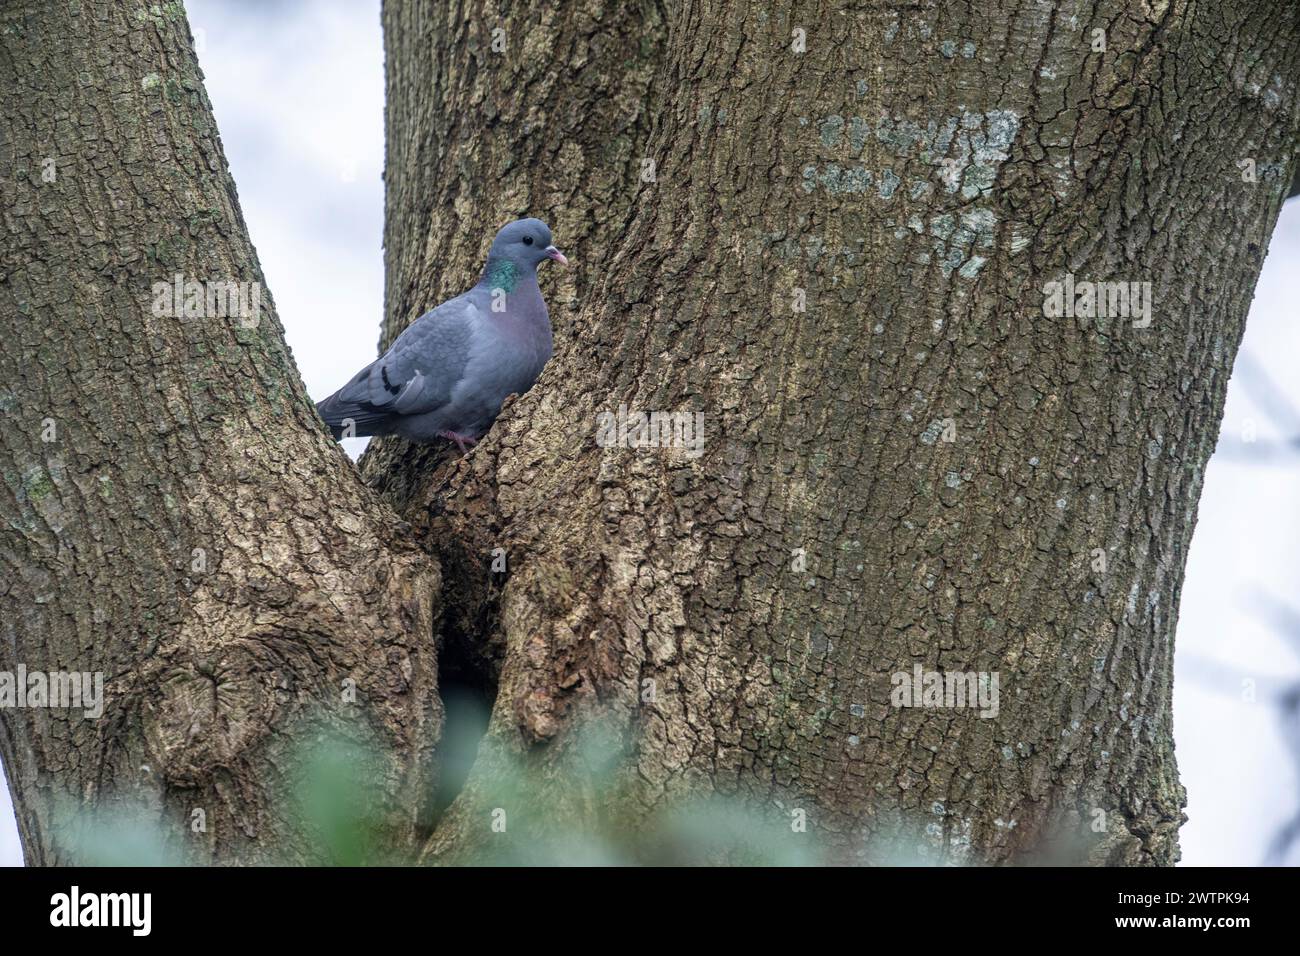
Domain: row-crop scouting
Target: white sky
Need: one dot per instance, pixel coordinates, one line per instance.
(298, 91)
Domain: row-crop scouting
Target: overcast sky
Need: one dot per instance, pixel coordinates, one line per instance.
(298, 90)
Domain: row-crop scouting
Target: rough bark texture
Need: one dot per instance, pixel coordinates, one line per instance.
(556, 101)
(917, 466)
(174, 515)
(974, 486)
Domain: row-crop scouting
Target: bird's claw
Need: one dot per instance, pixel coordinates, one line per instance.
(463, 442)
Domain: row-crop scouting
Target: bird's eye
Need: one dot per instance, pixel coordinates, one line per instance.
(528, 240)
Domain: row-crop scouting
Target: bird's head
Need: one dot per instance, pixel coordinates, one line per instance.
(527, 243)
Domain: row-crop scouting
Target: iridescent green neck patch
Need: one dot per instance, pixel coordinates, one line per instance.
(503, 274)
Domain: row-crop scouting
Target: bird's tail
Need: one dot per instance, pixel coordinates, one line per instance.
(353, 419)
(348, 415)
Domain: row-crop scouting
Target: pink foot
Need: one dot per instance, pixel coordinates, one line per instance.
(463, 442)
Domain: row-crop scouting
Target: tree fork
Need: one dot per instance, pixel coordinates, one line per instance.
(830, 232)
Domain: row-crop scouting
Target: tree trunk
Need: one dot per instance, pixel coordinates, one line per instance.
(830, 232)
(842, 261)
(175, 516)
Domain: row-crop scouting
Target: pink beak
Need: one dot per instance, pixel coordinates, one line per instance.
(557, 255)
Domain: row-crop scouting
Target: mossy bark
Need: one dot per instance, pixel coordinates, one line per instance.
(826, 230)
(841, 260)
(175, 518)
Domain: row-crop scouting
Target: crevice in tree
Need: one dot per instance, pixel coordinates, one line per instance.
(470, 656)
(469, 691)
(417, 480)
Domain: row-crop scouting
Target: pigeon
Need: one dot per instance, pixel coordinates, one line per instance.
(449, 371)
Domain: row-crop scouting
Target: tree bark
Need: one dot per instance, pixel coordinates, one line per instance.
(920, 468)
(175, 517)
(829, 231)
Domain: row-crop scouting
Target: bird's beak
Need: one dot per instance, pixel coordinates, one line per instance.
(557, 255)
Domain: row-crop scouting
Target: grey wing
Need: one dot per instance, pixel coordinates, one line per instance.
(417, 374)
